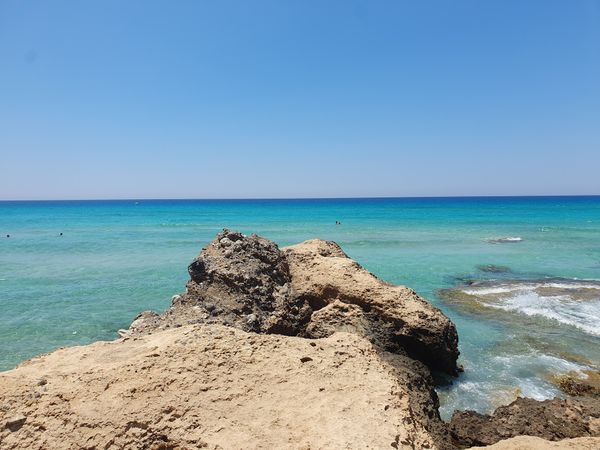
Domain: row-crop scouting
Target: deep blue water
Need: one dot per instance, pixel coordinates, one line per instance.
(117, 258)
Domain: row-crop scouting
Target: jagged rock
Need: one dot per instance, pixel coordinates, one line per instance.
(393, 317)
(310, 289)
(144, 321)
(586, 384)
(534, 443)
(217, 387)
(240, 281)
(550, 419)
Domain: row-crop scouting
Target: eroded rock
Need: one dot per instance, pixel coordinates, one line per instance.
(311, 289)
(240, 281)
(586, 384)
(534, 443)
(393, 317)
(217, 387)
(550, 419)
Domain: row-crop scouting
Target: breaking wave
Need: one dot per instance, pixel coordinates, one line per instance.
(566, 301)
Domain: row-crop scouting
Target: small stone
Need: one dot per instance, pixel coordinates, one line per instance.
(251, 319)
(225, 242)
(305, 359)
(16, 422)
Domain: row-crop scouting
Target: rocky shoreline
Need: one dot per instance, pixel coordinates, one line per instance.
(297, 347)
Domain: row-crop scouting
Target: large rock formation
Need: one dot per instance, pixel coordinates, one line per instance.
(269, 348)
(345, 296)
(217, 387)
(312, 290)
(550, 419)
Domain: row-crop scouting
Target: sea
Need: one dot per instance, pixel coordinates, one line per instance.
(519, 276)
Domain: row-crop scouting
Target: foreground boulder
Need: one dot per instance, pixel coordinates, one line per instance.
(218, 387)
(312, 290)
(550, 419)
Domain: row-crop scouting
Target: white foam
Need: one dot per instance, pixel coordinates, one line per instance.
(514, 375)
(524, 297)
(542, 360)
(490, 290)
(518, 286)
(581, 314)
(500, 240)
(580, 285)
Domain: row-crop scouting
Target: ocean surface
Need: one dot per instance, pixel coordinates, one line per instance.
(527, 308)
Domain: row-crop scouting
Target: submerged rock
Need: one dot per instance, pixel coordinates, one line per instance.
(586, 384)
(492, 268)
(550, 419)
(310, 289)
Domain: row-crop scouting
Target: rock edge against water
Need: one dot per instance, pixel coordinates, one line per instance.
(268, 348)
(553, 420)
(310, 290)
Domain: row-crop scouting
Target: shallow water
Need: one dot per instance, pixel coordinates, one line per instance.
(117, 258)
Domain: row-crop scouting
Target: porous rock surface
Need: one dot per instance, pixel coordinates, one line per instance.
(553, 420)
(536, 443)
(216, 387)
(310, 289)
(350, 297)
(575, 384)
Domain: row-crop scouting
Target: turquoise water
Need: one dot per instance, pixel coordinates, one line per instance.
(117, 258)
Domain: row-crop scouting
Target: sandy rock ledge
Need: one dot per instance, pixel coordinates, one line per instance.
(217, 387)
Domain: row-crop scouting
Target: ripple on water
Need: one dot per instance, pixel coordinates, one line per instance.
(568, 302)
(551, 328)
(531, 374)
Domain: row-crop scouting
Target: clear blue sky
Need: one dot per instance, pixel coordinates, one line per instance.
(194, 99)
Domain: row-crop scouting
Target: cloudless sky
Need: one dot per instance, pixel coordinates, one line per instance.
(233, 99)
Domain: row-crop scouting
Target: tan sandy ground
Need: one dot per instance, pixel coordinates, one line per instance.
(213, 387)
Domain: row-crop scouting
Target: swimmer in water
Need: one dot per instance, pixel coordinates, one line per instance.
(60, 234)
(8, 235)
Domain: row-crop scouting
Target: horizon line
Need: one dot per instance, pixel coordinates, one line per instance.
(390, 197)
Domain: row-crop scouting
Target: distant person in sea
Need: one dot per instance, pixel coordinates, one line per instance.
(60, 234)
(8, 235)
